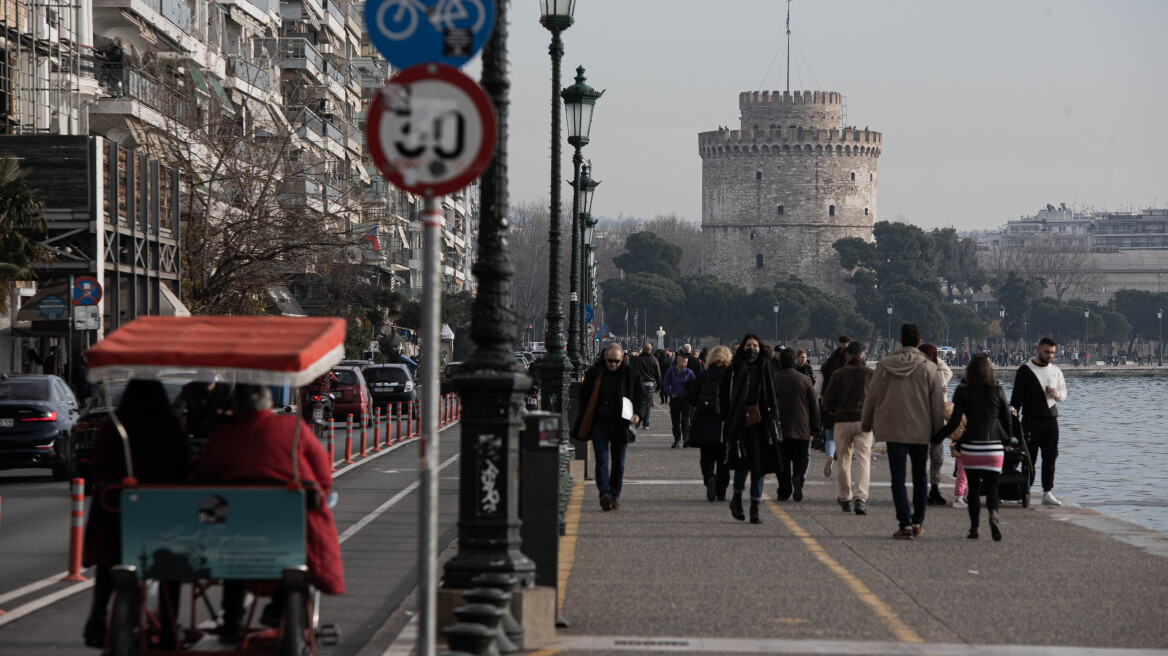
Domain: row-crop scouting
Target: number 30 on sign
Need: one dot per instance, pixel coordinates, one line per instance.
(431, 130)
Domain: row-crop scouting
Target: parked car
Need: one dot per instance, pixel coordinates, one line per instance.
(360, 364)
(390, 384)
(351, 396)
(523, 360)
(106, 397)
(444, 384)
(37, 413)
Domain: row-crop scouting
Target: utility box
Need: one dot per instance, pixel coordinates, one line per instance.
(539, 483)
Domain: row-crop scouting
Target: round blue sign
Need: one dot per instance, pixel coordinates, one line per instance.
(409, 32)
(52, 307)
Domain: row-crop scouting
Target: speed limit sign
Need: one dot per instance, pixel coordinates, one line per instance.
(431, 130)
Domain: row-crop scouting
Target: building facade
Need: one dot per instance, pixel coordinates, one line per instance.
(778, 192)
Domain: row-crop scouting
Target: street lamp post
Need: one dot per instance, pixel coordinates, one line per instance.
(1002, 324)
(556, 16)
(587, 187)
(580, 101)
(1086, 330)
(888, 335)
(776, 309)
(1160, 341)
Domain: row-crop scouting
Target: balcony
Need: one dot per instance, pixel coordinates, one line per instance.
(290, 52)
(174, 11)
(123, 81)
(258, 74)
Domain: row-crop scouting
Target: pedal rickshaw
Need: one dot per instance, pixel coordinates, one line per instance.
(206, 534)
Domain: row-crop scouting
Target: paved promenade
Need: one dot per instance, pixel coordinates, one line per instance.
(672, 572)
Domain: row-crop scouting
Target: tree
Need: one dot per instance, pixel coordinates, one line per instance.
(901, 255)
(911, 305)
(1016, 294)
(22, 220)
(1063, 268)
(1139, 308)
(661, 297)
(712, 307)
(456, 310)
(963, 323)
(645, 252)
(957, 260)
(686, 235)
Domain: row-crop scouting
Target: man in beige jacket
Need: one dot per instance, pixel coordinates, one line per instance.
(904, 407)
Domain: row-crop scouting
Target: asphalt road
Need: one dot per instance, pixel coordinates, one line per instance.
(376, 515)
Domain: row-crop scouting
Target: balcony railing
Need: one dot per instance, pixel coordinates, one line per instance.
(355, 133)
(306, 122)
(334, 133)
(291, 52)
(258, 74)
(336, 10)
(174, 11)
(337, 68)
(122, 81)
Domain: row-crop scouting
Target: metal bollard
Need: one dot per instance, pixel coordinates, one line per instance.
(76, 529)
(331, 439)
(348, 441)
(442, 410)
(377, 428)
(364, 427)
(398, 432)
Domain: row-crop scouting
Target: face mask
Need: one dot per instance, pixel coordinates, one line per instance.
(751, 353)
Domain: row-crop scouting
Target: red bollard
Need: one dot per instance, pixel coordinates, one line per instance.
(364, 426)
(349, 441)
(418, 419)
(409, 423)
(377, 428)
(332, 438)
(458, 407)
(441, 411)
(399, 422)
(76, 529)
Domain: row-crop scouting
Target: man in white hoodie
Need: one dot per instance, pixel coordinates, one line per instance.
(1038, 386)
(903, 408)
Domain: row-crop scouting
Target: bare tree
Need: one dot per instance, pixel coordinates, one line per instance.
(680, 232)
(1062, 267)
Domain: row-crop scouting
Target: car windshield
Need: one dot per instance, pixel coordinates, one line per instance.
(451, 369)
(24, 390)
(346, 377)
(386, 375)
(116, 390)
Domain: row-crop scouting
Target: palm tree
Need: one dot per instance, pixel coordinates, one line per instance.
(22, 218)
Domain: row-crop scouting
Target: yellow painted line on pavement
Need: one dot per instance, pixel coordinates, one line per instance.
(568, 542)
(901, 630)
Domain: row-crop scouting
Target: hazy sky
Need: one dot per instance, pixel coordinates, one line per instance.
(989, 109)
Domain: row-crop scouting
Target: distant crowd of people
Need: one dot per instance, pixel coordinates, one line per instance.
(752, 412)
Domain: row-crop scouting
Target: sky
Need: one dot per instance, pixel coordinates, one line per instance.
(989, 110)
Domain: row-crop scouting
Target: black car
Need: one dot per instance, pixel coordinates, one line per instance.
(390, 383)
(106, 396)
(37, 414)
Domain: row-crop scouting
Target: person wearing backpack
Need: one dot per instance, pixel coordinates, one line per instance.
(705, 433)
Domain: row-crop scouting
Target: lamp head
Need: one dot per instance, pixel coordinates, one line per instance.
(556, 14)
(580, 100)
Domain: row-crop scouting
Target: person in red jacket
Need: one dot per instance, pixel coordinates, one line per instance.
(258, 446)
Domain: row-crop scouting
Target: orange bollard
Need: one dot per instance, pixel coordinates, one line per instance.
(458, 407)
(398, 433)
(76, 528)
(364, 426)
(331, 439)
(418, 419)
(349, 441)
(441, 411)
(409, 423)
(377, 428)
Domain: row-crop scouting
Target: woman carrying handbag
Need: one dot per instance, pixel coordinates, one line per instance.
(749, 422)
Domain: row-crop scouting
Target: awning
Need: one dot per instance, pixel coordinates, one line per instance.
(30, 310)
(225, 104)
(197, 78)
(176, 307)
(447, 333)
(262, 121)
(257, 350)
(404, 239)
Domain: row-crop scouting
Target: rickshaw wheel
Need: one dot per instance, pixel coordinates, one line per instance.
(292, 642)
(122, 638)
(1026, 499)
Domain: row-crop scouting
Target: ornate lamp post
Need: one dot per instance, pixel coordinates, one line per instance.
(1002, 323)
(1160, 341)
(1086, 329)
(580, 100)
(889, 333)
(587, 187)
(556, 16)
(490, 381)
(776, 309)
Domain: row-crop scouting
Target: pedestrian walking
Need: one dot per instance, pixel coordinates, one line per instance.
(803, 365)
(844, 399)
(664, 362)
(937, 451)
(648, 371)
(705, 433)
(834, 361)
(677, 380)
(693, 362)
(1038, 386)
(746, 396)
(613, 391)
(980, 401)
(798, 418)
(904, 408)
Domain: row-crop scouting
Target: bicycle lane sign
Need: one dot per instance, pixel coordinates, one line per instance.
(410, 32)
(431, 130)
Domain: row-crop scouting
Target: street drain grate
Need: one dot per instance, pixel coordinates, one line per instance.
(648, 642)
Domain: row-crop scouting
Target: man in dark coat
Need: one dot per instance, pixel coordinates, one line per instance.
(649, 375)
(844, 399)
(799, 417)
(836, 360)
(608, 387)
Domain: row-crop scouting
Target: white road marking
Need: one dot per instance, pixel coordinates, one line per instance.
(404, 643)
(32, 587)
(33, 606)
(609, 644)
(364, 521)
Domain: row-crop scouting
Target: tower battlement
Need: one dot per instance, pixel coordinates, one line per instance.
(773, 109)
(751, 98)
(847, 141)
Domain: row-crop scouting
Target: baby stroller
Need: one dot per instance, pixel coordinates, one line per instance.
(1017, 469)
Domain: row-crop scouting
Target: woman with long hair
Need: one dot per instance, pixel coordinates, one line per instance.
(981, 401)
(705, 432)
(746, 396)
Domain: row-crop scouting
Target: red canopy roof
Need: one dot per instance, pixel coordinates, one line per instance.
(259, 350)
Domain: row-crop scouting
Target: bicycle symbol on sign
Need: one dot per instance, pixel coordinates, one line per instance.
(444, 15)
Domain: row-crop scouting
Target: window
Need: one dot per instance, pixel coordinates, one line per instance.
(853, 176)
(869, 177)
(758, 175)
(831, 210)
(758, 261)
(752, 236)
(780, 210)
(865, 211)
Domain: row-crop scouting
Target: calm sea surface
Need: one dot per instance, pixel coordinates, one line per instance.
(1112, 455)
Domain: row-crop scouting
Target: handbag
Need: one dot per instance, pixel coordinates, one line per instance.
(753, 414)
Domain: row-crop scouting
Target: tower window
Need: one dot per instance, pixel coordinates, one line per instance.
(752, 236)
(831, 210)
(869, 177)
(853, 176)
(758, 261)
(758, 175)
(865, 211)
(780, 210)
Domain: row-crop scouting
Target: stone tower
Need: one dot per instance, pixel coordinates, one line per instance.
(779, 191)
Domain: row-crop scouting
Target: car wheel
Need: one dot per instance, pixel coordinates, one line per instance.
(64, 470)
